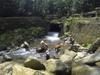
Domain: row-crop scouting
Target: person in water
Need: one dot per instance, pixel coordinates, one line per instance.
(25, 45)
(58, 47)
(43, 45)
(69, 41)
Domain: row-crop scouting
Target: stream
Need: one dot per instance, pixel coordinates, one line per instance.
(52, 38)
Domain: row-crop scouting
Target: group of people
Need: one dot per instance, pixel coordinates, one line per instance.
(67, 41)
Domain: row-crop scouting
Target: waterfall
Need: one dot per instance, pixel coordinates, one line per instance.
(52, 37)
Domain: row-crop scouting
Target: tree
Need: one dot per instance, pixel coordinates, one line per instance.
(8, 8)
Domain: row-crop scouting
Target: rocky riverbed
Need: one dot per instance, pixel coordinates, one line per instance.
(68, 62)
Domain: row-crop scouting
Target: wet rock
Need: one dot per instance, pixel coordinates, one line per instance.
(19, 54)
(56, 66)
(33, 63)
(6, 58)
(81, 69)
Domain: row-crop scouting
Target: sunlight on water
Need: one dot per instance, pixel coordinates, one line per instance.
(52, 36)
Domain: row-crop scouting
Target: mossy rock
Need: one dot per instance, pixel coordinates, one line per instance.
(21, 70)
(33, 63)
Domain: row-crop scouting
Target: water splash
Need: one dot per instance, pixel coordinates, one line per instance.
(52, 36)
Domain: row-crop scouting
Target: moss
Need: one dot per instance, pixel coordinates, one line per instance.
(75, 21)
(87, 45)
(57, 21)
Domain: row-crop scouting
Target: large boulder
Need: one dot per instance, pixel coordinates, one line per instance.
(56, 66)
(80, 55)
(90, 58)
(66, 59)
(33, 63)
(81, 69)
(70, 53)
(20, 70)
(6, 68)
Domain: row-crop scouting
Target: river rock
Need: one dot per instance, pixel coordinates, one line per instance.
(81, 69)
(70, 53)
(34, 63)
(6, 68)
(20, 70)
(56, 66)
(80, 55)
(66, 59)
(91, 58)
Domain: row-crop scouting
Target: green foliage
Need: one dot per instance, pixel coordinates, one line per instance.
(87, 45)
(38, 31)
(21, 33)
(66, 33)
(46, 7)
(76, 21)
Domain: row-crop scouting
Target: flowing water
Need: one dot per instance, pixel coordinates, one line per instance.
(52, 37)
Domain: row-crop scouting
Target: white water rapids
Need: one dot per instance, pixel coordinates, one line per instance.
(52, 37)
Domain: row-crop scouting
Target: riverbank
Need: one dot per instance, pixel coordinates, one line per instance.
(51, 62)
